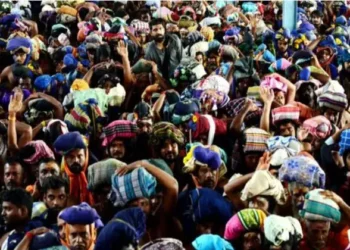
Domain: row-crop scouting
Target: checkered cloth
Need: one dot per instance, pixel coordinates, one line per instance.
(273, 83)
(319, 127)
(100, 173)
(42, 151)
(316, 207)
(166, 130)
(344, 143)
(137, 184)
(255, 140)
(333, 100)
(286, 112)
(235, 106)
(302, 170)
(282, 148)
(118, 129)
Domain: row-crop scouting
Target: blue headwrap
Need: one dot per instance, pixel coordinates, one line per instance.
(18, 43)
(69, 141)
(126, 228)
(210, 241)
(82, 214)
(42, 82)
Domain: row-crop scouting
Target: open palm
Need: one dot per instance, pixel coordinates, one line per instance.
(16, 102)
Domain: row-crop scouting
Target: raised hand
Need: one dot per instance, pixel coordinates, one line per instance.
(122, 49)
(16, 102)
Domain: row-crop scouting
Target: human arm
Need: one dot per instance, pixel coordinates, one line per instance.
(57, 106)
(291, 89)
(267, 96)
(169, 183)
(25, 242)
(238, 120)
(122, 50)
(344, 208)
(158, 106)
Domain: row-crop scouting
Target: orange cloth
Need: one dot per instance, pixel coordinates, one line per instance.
(78, 183)
(305, 111)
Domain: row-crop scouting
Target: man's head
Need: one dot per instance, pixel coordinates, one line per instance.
(55, 194)
(297, 193)
(16, 207)
(317, 233)
(252, 241)
(143, 203)
(157, 27)
(205, 176)
(316, 17)
(145, 125)
(264, 203)
(331, 115)
(75, 160)
(13, 174)
(282, 45)
(79, 237)
(48, 168)
(286, 128)
(306, 94)
(20, 57)
(251, 160)
(117, 149)
(169, 150)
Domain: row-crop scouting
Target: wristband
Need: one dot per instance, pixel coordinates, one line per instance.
(12, 118)
(29, 235)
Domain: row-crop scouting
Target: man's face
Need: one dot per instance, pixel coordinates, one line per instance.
(145, 126)
(282, 45)
(25, 83)
(200, 59)
(56, 199)
(75, 160)
(306, 95)
(13, 176)
(169, 151)
(48, 169)
(251, 161)
(317, 234)
(287, 129)
(259, 202)
(331, 115)
(79, 237)
(252, 241)
(12, 214)
(158, 33)
(280, 98)
(20, 57)
(145, 18)
(142, 203)
(316, 20)
(61, 231)
(298, 197)
(117, 149)
(206, 177)
(324, 56)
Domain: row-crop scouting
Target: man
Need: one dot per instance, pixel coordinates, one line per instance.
(55, 195)
(165, 49)
(48, 168)
(74, 148)
(13, 174)
(16, 212)
(117, 139)
(80, 226)
(316, 19)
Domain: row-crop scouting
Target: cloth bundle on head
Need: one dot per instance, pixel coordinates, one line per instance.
(319, 127)
(45, 240)
(64, 144)
(263, 183)
(162, 244)
(36, 151)
(210, 241)
(234, 35)
(166, 130)
(279, 230)
(100, 173)
(86, 117)
(255, 140)
(234, 107)
(344, 143)
(204, 156)
(228, 51)
(317, 207)
(136, 184)
(209, 21)
(244, 68)
(282, 147)
(207, 125)
(280, 65)
(183, 110)
(187, 72)
(42, 83)
(79, 84)
(244, 221)
(140, 27)
(81, 214)
(93, 41)
(202, 205)
(333, 100)
(273, 83)
(208, 33)
(302, 170)
(122, 129)
(286, 112)
(127, 227)
(67, 14)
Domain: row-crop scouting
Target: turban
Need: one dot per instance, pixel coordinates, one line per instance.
(42, 82)
(140, 27)
(333, 100)
(126, 227)
(244, 221)
(263, 183)
(120, 129)
(210, 241)
(286, 112)
(279, 230)
(19, 43)
(302, 170)
(282, 148)
(163, 243)
(208, 33)
(255, 140)
(39, 152)
(183, 110)
(233, 34)
(319, 127)
(165, 130)
(344, 143)
(100, 173)
(136, 184)
(235, 106)
(317, 207)
(79, 84)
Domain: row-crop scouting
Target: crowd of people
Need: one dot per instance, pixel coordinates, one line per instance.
(171, 125)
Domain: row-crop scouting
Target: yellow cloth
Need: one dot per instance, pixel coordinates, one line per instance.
(208, 33)
(65, 9)
(80, 84)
